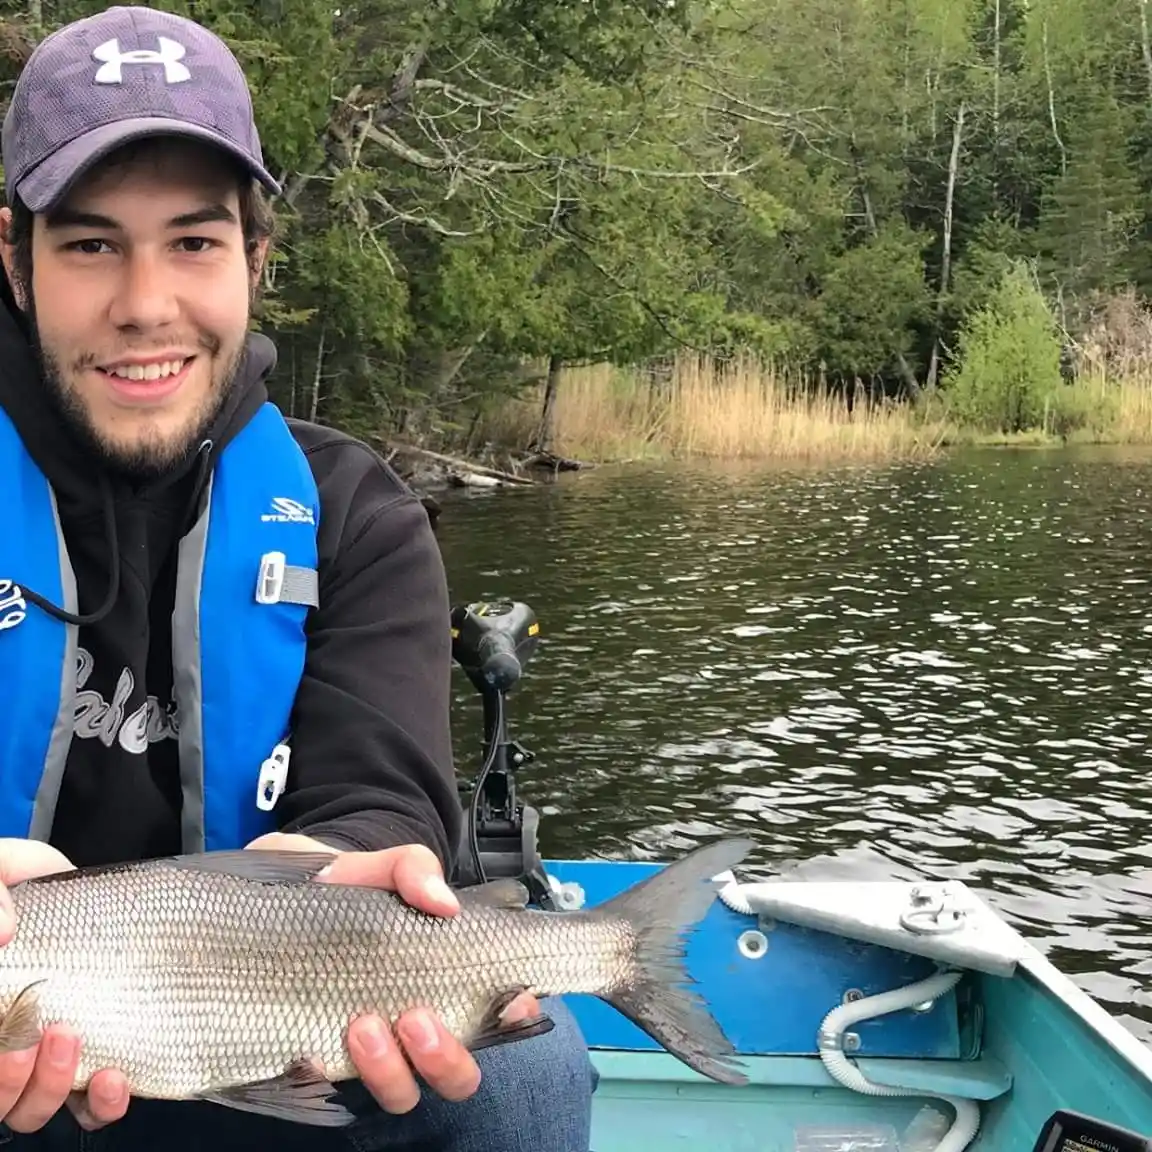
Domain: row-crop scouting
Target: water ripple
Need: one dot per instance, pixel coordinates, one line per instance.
(937, 670)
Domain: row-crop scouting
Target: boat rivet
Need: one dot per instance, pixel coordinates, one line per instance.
(851, 1042)
(753, 945)
(852, 995)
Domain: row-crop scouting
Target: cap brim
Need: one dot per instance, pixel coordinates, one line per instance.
(49, 182)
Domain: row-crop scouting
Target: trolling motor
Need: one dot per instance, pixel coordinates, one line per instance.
(492, 642)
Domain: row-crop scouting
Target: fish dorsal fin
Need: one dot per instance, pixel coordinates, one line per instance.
(263, 865)
(503, 893)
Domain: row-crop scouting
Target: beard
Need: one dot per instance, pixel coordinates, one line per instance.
(152, 454)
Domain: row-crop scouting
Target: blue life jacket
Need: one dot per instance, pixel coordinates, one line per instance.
(246, 577)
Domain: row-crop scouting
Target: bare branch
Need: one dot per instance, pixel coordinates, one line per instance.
(605, 166)
(460, 95)
(776, 116)
(388, 139)
(421, 221)
(400, 92)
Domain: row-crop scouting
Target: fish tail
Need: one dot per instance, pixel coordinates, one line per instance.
(661, 910)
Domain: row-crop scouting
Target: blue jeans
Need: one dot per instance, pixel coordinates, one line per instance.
(535, 1096)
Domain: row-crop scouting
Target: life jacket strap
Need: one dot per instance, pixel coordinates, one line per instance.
(283, 583)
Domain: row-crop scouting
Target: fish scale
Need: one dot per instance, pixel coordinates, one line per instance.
(232, 976)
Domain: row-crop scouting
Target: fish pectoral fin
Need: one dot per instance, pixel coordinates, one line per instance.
(20, 1025)
(265, 865)
(301, 1094)
(503, 893)
(492, 1030)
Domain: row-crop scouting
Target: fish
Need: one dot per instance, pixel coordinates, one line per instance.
(231, 976)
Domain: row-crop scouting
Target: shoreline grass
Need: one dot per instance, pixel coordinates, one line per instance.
(699, 409)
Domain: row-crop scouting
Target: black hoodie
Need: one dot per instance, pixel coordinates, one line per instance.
(371, 762)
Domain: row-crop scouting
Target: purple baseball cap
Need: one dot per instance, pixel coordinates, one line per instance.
(124, 74)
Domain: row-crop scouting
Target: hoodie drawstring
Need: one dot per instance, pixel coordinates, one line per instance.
(203, 466)
(113, 543)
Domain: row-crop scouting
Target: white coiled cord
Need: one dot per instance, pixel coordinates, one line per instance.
(843, 1071)
(836, 1061)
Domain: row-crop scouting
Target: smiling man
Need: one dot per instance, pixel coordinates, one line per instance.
(219, 628)
(140, 299)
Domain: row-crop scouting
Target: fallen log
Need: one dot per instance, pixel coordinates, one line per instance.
(458, 479)
(460, 465)
(554, 463)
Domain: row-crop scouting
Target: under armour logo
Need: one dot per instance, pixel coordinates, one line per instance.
(111, 71)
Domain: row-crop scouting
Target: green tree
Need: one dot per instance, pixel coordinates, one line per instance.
(1008, 363)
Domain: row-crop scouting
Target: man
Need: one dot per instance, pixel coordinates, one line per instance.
(218, 628)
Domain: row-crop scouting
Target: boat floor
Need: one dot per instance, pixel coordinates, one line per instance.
(648, 1101)
(634, 1117)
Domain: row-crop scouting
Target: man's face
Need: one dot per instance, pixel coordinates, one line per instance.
(140, 299)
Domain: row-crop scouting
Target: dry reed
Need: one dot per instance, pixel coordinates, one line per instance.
(700, 408)
(747, 411)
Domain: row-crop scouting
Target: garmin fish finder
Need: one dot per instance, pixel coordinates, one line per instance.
(1072, 1132)
(493, 642)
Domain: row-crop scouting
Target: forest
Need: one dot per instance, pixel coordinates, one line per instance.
(937, 205)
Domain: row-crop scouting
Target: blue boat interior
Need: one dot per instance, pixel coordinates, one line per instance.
(1003, 1042)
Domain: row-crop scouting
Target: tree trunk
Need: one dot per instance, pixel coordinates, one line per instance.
(293, 378)
(906, 373)
(1052, 98)
(543, 439)
(946, 255)
(314, 402)
(1145, 43)
(432, 373)
(996, 80)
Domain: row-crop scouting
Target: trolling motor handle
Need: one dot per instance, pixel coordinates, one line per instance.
(493, 641)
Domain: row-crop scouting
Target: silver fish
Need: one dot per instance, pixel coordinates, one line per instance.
(232, 976)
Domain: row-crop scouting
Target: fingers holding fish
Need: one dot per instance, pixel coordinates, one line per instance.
(15, 1071)
(447, 1066)
(522, 1008)
(412, 871)
(105, 1101)
(383, 1067)
(24, 860)
(419, 880)
(35, 1082)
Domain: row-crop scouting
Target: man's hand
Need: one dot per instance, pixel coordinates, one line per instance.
(414, 873)
(35, 1082)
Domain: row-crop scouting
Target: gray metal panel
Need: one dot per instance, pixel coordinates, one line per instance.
(875, 912)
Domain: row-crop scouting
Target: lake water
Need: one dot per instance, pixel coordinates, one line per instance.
(940, 670)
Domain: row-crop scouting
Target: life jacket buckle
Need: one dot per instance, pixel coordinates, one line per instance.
(270, 582)
(273, 778)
